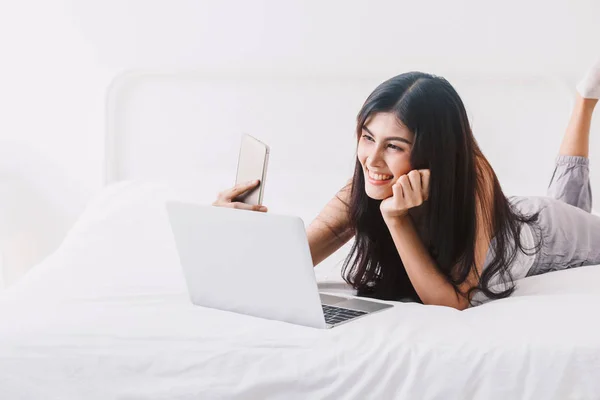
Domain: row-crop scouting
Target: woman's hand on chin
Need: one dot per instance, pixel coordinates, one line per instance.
(409, 191)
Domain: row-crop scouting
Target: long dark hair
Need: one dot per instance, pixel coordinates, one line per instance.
(433, 111)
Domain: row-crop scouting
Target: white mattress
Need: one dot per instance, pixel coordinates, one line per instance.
(108, 317)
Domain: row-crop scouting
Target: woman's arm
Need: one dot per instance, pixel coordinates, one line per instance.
(432, 286)
(330, 230)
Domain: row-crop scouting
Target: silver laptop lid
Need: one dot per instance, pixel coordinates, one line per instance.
(247, 262)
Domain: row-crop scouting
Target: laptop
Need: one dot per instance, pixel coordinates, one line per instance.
(256, 264)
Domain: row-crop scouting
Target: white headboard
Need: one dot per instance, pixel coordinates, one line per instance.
(184, 127)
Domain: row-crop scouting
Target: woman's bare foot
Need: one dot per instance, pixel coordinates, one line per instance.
(589, 87)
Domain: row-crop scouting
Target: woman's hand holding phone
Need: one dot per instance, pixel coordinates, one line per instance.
(227, 197)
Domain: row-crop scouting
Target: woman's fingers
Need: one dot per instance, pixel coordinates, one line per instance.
(243, 206)
(407, 192)
(397, 190)
(410, 196)
(238, 189)
(414, 177)
(415, 186)
(425, 174)
(227, 197)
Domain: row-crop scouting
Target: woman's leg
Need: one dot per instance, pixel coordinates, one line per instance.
(571, 236)
(576, 140)
(570, 182)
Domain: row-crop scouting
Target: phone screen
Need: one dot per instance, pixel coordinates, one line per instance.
(252, 165)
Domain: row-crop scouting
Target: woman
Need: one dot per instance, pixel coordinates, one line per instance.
(429, 217)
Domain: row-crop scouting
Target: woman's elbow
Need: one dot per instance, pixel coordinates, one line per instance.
(459, 303)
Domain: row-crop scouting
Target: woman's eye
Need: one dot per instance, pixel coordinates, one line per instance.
(391, 146)
(367, 137)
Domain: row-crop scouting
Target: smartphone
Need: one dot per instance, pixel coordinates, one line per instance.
(252, 165)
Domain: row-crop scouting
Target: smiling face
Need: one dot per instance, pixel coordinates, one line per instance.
(384, 148)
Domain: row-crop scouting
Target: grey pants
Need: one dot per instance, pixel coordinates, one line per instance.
(569, 234)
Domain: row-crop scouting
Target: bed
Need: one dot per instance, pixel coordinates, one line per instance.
(107, 316)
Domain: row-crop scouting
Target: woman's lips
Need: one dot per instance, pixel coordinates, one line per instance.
(377, 182)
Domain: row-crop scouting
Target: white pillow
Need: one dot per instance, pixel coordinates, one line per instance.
(569, 281)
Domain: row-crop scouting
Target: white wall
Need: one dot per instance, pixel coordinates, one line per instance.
(58, 56)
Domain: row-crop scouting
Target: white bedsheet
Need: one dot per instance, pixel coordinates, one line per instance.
(107, 317)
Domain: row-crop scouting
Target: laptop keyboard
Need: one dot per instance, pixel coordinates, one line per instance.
(335, 315)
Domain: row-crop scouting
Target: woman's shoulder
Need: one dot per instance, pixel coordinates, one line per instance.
(529, 204)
